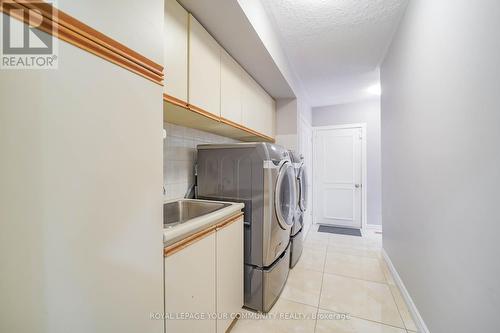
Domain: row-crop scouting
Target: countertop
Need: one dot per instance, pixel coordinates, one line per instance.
(179, 232)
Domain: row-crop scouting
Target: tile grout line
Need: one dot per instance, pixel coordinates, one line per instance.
(383, 283)
(392, 294)
(356, 278)
(370, 320)
(386, 284)
(347, 276)
(397, 307)
(335, 249)
(382, 262)
(321, 288)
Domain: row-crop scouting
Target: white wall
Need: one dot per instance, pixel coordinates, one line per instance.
(257, 15)
(293, 131)
(368, 112)
(441, 161)
(286, 123)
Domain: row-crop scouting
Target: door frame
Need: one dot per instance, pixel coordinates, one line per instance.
(315, 130)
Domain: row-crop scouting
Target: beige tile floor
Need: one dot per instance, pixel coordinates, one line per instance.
(340, 285)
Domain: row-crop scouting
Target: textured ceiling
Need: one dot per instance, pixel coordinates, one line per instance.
(335, 46)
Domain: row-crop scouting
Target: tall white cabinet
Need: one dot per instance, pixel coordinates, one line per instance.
(81, 200)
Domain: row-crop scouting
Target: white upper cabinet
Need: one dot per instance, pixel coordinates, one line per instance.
(251, 114)
(204, 69)
(200, 72)
(176, 50)
(258, 108)
(231, 88)
(270, 115)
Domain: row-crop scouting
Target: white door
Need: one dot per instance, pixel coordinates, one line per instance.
(337, 177)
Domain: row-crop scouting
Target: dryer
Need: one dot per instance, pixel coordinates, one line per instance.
(297, 232)
(262, 176)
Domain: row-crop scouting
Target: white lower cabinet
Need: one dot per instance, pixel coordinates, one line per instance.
(190, 286)
(205, 277)
(229, 273)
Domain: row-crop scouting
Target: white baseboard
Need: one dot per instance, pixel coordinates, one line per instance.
(417, 318)
(375, 227)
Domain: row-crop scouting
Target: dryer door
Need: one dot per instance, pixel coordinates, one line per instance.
(285, 195)
(302, 177)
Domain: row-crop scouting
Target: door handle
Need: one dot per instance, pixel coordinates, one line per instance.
(357, 185)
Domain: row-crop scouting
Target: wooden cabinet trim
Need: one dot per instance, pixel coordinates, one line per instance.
(205, 113)
(246, 129)
(175, 101)
(75, 32)
(176, 247)
(227, 223)
(190, 107)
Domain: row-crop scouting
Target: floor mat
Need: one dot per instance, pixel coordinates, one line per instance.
(341, 231)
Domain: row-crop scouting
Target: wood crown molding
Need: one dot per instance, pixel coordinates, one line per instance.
(200, 111)
(182, 244)
(75, 32)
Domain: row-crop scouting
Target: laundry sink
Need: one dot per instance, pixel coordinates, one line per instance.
(181, 211)
(185, 217)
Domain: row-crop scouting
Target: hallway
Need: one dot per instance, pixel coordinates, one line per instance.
(341, 284)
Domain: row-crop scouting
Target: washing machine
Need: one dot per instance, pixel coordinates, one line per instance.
(297, 231)
(262, 176)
